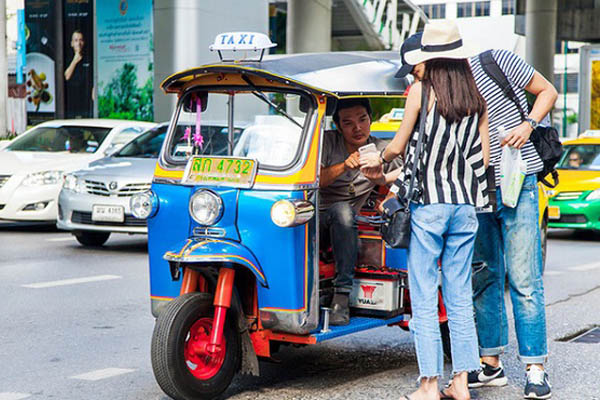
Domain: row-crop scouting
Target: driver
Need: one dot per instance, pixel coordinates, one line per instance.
(343, 191)
(575, 159)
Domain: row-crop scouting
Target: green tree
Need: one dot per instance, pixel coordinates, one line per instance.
(122, 98)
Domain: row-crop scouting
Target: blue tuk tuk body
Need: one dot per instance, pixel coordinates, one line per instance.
(225, 292)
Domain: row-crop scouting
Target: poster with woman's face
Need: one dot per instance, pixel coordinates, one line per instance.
(78, 62)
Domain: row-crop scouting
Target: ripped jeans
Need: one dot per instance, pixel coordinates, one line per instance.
(445, 231)
(508, 242)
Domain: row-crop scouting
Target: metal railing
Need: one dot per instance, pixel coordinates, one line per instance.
(378, 21)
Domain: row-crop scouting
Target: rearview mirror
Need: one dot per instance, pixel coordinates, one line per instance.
(190, 100)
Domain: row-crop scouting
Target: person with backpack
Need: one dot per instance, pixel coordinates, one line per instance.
(508, 240)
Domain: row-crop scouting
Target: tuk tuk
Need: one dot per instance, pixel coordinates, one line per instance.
(236, 268)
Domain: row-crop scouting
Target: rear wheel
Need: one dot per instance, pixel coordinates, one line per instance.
(91, 238)
(180, 370)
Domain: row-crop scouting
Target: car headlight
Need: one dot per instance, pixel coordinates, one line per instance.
(73, 183)
(595, 195)
(206, 207)
(43, 178)
(144, 205)
(292, 212)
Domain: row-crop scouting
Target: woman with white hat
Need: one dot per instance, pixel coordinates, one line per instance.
(451, 176)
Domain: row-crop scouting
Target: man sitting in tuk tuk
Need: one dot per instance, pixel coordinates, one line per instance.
(344, 190)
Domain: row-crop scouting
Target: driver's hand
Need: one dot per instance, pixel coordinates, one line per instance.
(370, 160)
(352, 162)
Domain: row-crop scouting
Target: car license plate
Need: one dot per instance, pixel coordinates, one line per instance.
(229, 171)
(108, 213)
(554, 212)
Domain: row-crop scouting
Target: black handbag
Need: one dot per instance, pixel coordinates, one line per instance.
(395, 229)
(545, 139)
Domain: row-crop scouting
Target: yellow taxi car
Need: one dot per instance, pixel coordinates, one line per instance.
(575, 202)
(386, 127)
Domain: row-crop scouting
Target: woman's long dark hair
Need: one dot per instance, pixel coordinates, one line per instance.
(454, 87)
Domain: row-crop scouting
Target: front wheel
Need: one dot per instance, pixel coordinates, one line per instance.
(91, 238)
(181, 372)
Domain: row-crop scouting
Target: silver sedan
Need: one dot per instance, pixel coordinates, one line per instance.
(95, 201)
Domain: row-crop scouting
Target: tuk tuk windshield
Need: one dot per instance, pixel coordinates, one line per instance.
(268, 126)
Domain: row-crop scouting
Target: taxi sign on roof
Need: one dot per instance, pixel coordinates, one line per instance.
(593, 133)
(241, 41)
(397, 114)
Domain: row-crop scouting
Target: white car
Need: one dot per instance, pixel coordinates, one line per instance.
(94, 201)
(32, 165)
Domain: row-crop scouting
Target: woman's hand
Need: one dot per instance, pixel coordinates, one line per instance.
(379, 205)
(374, 174)
(370, 160)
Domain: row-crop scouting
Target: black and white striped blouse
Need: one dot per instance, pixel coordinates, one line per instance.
(451, 168)
(502, 112)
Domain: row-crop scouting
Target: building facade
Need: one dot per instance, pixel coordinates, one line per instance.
(490, 24)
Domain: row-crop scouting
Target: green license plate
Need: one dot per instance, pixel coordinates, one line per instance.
(227, 171)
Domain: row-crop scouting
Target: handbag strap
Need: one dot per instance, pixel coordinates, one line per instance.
(493, 70)
(413, 191)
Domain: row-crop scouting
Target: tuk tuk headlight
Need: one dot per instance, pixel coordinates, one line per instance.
(206, 207)
(144, 205)
(292, 212)
(595, 195)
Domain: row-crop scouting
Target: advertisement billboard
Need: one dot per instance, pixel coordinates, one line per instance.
(40, 45)
(125, 60)
(78, 58)
(595, 95)
(589, 87)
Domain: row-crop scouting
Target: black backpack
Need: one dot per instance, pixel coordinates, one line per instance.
(544, 138)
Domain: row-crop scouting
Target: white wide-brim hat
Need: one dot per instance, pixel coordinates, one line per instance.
(441, 39)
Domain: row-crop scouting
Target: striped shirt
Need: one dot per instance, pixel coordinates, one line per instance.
(451, 168)
(503, 112)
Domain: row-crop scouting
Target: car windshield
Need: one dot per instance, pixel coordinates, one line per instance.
(582, 156)
(268, 127)
(74, 139)
(147, 145)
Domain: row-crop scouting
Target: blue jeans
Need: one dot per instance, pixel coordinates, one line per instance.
(445, 231)
(508, 241)
(338, 228)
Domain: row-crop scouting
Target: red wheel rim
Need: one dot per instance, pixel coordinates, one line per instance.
(202, 366)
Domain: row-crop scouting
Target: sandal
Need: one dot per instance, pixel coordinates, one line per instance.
(407, 397)
(444, 396)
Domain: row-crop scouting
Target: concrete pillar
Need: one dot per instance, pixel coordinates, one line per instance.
(308, 26)
(540, 34)
(3, 70)
(183, 30)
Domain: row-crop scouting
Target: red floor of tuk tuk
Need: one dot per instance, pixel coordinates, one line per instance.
(357, 324)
